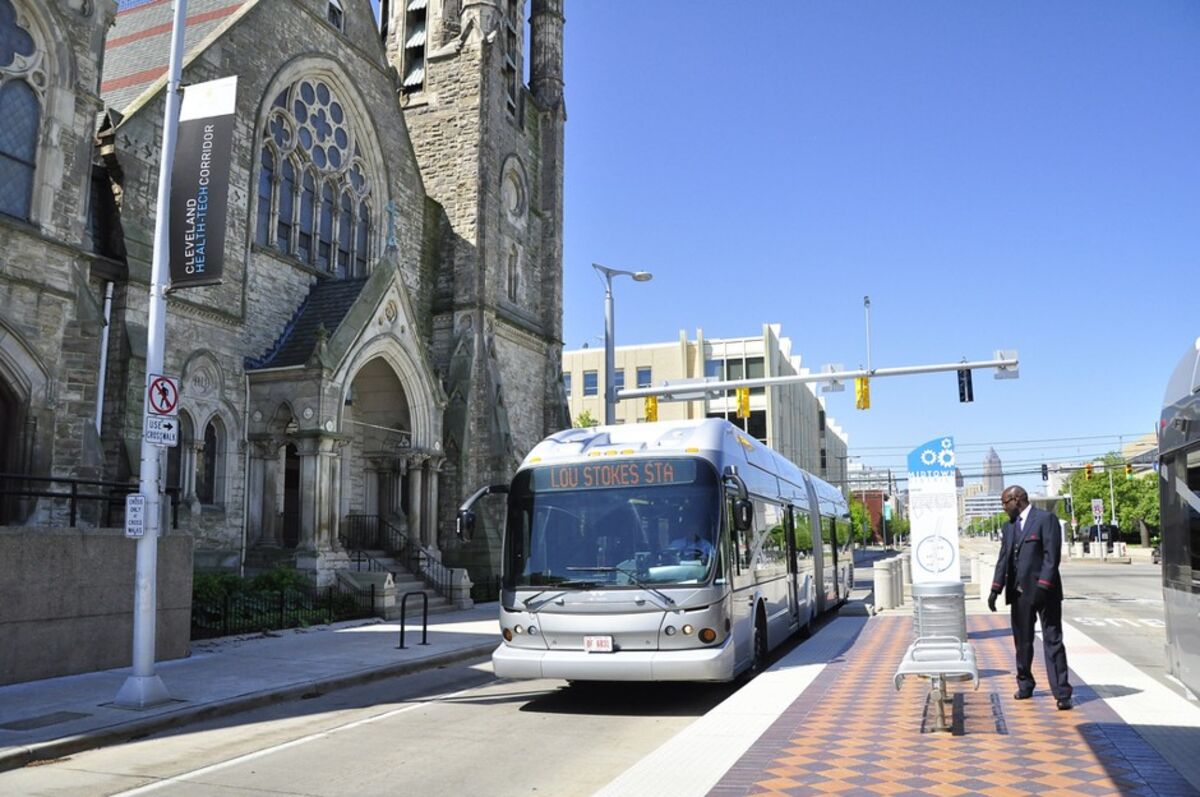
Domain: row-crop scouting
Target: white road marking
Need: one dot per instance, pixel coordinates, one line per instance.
(196, 773)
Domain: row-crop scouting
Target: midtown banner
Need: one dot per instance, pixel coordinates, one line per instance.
(200, 183)
(933, 511)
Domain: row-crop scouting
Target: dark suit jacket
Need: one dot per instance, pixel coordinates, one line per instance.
(1032, 561)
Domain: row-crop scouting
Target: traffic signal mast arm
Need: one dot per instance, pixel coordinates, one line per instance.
(688, 390)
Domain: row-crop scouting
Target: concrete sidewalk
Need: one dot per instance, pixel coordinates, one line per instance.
(47, 719)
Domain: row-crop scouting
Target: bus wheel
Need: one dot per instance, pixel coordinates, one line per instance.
(759, 662)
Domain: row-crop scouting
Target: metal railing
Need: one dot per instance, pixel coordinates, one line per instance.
(112, 494)
(253, 611)
(374, 533)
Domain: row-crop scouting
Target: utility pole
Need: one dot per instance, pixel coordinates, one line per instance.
(143, 688)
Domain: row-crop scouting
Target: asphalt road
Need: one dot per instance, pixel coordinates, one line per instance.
(450, 731)
(1120, 606)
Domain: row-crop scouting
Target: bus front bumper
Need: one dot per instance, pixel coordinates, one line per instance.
(703, 664)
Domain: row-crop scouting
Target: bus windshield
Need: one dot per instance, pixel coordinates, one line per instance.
(612, 523)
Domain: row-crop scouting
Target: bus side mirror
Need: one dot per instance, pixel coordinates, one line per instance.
(743, 514)
(464, 522)
(465, 525)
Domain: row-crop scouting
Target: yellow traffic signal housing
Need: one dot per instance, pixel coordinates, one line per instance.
(862, 393)
(651, 408)
(1087, 471)
(743, 402)
(1128, 471)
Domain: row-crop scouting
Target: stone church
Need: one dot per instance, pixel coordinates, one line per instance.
(387, 334)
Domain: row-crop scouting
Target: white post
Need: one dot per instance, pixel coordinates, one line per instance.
(144, 688)
(867, 313)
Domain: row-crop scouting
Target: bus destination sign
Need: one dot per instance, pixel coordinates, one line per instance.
(603, 475)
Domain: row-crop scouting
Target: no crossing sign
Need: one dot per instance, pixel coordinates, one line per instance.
(162, 395)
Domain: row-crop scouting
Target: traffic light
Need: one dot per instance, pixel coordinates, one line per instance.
(1045, 472)
(862, 393)
(1128, 471)
(743, 402)
(966, 393)
(651, 408)
(1087, 471)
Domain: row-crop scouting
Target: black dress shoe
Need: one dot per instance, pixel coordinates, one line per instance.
(1019, 695)
(1064, 704)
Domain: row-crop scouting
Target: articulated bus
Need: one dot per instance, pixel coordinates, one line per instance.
(1179, 494)
(668, 551)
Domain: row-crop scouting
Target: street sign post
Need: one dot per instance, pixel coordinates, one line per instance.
(162, 430)
(135, 516)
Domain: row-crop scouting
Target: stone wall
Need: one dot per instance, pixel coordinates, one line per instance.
(67, 598)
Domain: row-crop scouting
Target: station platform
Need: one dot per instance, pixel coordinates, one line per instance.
(826, 719)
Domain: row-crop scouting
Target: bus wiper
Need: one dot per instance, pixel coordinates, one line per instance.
(632, 576)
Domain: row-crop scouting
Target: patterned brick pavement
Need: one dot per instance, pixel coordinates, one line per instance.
(851, 732)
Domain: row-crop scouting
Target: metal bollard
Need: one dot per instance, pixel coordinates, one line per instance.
(897, 583)
(424, 616)
(884, 595)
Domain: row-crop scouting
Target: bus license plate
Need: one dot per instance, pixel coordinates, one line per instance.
(597, 644)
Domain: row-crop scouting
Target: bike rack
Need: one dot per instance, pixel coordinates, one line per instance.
(424, 616)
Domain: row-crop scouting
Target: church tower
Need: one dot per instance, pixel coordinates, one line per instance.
(490, 149)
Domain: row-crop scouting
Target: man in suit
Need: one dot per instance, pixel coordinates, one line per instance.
(1027, 571)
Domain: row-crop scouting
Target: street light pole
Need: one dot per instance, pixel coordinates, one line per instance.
(867, 313)
(610, 353)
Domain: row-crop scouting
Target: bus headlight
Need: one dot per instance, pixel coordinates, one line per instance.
(518, 630)
(707, 635)
(687, 630)
(532, 630)
(669, 630)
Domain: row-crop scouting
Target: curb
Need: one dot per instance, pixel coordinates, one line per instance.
(20, 756)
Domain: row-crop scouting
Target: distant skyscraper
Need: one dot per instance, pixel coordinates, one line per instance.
(993, 473)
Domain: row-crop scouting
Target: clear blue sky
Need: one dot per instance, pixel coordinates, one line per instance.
(993, 174)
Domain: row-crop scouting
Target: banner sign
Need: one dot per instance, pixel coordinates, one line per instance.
(200, 183)
(933, 512)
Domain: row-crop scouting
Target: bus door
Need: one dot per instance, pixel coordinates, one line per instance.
(789, 532)
(829, 561)
(832, 565)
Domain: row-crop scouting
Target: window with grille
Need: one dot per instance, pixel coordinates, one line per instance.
(512, 52)
(20, 112)
(336, 15)
(314, 198)
(415, 19)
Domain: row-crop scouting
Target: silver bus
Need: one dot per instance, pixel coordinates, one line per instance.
(669, 551)
(1179, 494)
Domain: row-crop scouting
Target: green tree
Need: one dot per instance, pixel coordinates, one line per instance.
(861, 520)
(585, 419)
(1137, 498)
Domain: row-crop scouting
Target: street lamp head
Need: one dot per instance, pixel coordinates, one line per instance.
(609, 273)
(642, 276)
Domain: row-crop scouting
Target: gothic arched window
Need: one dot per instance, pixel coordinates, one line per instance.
(210, 465)
(321, 187)
(514, 265)
(20, 111)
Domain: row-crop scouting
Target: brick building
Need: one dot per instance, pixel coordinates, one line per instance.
(387, 335)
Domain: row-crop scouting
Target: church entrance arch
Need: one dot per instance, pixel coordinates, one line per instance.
(378, 422)
(13, 410)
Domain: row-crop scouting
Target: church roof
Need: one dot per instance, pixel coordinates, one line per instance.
(138, 47)
(326, 305)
